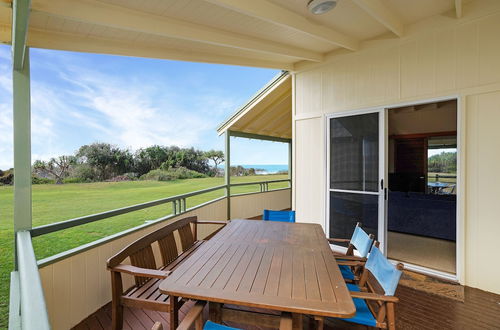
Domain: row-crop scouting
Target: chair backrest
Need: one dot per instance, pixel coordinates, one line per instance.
(283, 216)
(386, 274)
(361, 240)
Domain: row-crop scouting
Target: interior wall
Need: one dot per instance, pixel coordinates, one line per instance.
(439, 57)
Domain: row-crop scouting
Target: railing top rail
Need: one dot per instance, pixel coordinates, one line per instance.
(53, 227)
(258, 182)
(33, 309)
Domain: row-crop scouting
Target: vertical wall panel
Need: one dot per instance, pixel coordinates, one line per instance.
(489, 50)
(482, 180)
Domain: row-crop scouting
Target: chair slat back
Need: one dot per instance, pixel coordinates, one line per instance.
(143, 258)
(283, 216)
(186, 236)
(361, 241)
(386, 274)
(168, 248)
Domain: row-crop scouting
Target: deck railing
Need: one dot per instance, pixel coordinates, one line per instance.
(27, 304)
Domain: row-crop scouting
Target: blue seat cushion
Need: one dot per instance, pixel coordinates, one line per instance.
(346, 272)
(209, 325)
(363, 314)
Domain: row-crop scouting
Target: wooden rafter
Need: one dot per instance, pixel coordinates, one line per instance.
(379, 10)
(265, 10)
(78, 43)
(458, 8)
(103, 14)
(266, 110)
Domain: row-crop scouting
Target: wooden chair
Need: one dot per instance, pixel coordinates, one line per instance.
(145, 293)
(374, 294)
(350, 264)
(283, 216)
(195, 317)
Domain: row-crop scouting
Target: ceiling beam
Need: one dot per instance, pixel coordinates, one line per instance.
(379, 10)
(103, 14)
(78, 43)
(267, 11)
(20, 19)
(458, 8)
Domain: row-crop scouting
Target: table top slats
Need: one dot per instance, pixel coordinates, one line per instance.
(274, 274)
(325, 286)
(260, 280)
(273, 265)
(285, 285)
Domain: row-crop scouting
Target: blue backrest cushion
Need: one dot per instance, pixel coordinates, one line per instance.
(361, 241)
(283, 216)
(384, 271)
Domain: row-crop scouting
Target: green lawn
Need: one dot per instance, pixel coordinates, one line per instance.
(53, 203)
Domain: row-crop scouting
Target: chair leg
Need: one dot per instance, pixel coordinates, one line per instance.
(320, 322)
(391, 317)
(116, 306)
(116, 315)
(297, 321)
(174, 312)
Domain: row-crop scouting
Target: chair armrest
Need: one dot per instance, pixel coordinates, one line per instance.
(373, 296)
(194, 314)
(141, 272)
(203, 222)
(350, 263)
(351, 258)
(338, 240)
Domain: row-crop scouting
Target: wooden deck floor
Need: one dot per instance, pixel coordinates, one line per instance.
(416, 310)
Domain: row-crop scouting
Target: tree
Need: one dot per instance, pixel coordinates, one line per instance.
(57, 167)
(106, 159)
(216, 156)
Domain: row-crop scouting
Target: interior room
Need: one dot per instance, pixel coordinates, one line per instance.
(422, 150)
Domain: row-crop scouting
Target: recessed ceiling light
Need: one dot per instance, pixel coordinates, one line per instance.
(318, 7)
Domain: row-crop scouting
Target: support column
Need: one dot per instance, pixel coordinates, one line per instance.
(22, 145)
(227, 171)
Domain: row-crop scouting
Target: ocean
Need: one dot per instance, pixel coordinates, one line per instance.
(268, 169)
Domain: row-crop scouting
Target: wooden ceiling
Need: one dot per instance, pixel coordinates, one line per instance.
(262, 33)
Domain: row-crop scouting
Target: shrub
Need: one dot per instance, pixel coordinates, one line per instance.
(38, 180)
(172, 174)
(76, 180)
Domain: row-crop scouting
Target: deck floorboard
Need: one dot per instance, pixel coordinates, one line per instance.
(416, 310)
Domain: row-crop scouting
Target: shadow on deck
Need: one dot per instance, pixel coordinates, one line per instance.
(417, 309)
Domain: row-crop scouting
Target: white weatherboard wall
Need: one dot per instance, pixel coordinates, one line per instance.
(440, 57)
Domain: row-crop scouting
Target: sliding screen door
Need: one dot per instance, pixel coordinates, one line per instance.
(355, 187)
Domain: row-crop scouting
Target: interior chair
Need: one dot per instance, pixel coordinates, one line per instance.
(283, 216)
(350, 264)
(374, 296)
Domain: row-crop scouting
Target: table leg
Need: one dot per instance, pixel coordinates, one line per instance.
(215, 312)
(320, 322)
(174, 312)
(297, 321)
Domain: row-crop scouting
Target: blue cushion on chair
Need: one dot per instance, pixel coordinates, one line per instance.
(209, 325)
(283, 216)
(363, 314)
(346, 272)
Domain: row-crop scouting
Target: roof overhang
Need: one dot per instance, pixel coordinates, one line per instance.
(267, 115)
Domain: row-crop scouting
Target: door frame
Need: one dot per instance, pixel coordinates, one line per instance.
(459, 276)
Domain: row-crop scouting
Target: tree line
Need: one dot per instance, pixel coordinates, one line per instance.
(445, 162)
(106, 162)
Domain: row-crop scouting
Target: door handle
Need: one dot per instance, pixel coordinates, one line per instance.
(381, 184)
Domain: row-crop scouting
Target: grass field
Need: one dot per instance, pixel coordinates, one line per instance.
(53, 203)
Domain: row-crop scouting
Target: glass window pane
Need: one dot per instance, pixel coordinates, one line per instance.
(347, 209)
(354, 152)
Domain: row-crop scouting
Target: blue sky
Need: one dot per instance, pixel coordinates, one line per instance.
(131, 102)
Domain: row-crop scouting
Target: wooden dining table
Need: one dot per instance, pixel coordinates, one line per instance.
(276, 266)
